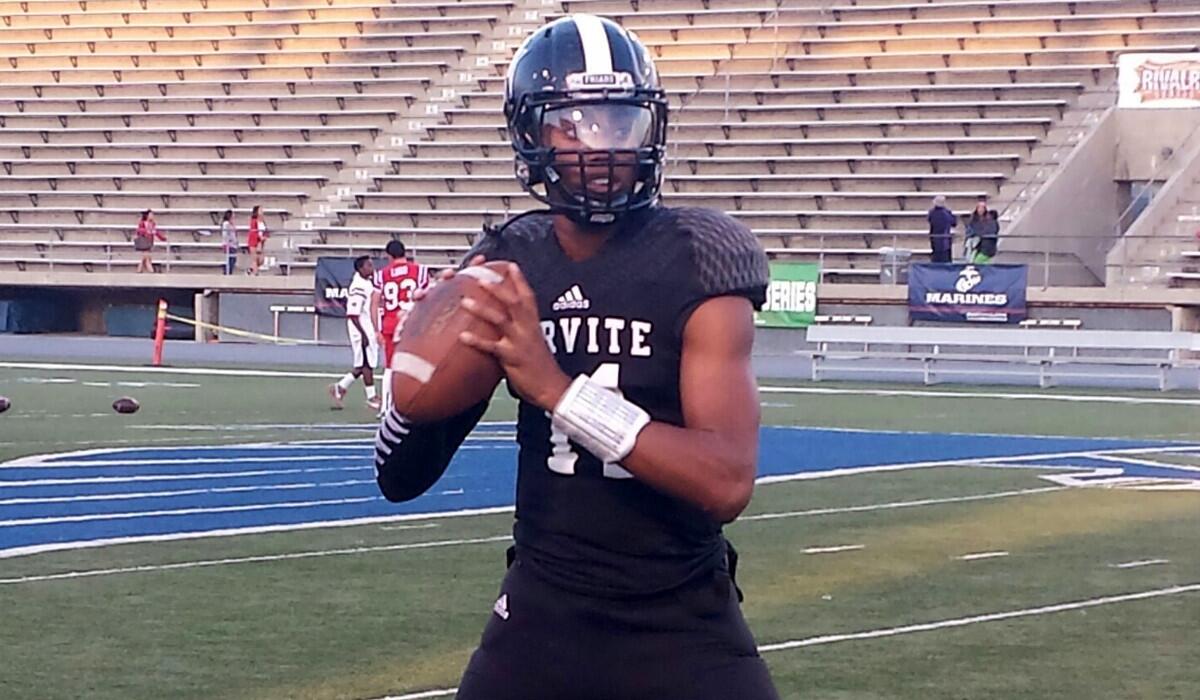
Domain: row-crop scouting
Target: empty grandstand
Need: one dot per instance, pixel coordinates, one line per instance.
(827, 127)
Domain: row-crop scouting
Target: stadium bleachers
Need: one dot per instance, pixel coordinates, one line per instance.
(190, 108)
(827, 127)
(827, 132)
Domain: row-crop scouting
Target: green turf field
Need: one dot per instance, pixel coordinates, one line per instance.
(359, 612)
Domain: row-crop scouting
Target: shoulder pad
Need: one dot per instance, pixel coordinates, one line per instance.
(728, 257)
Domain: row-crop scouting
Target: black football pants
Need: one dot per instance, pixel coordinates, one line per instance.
(691, 643)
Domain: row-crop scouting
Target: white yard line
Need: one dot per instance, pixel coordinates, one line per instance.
(133, 496)
(904, 466)
(345, 427)
(833, 550)
(46, 380)
(978, 619)
(916, 628)
(196, 460)
(1149, 463)
(122, 444)
(230, 532)
(900, 504)
(1140, 563)
(195, 476)
(367, 445)
(1012, 396)
(193, 371)
(1111, 477)
(57, 416)
(184, 511)
(143, 385)
(1177, 485)
(247, 560)
(251, 427)
(982, 555)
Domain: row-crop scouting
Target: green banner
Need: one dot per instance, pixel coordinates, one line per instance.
(791, 296)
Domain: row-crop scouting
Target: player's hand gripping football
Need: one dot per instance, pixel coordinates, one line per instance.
(531, 369)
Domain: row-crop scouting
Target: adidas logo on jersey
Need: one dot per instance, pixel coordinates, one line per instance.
(572, 299)
(501, 606)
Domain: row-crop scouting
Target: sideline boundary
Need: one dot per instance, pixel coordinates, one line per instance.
(765, 388)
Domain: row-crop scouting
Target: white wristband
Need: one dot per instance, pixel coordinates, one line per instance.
(601, 420)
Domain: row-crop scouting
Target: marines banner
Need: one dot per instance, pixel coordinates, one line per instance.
(990, 293)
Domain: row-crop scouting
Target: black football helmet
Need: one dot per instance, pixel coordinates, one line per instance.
(587, 119)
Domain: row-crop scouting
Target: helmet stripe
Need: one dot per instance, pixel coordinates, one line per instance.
(597, 57)
(626, 57)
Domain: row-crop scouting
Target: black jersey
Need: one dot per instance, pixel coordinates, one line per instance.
(619, 317)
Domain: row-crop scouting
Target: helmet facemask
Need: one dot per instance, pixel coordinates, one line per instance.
(593, 156)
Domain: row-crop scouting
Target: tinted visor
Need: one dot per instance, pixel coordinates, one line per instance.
(598, 127)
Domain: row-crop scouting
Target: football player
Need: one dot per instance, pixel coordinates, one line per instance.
(391, 301)
(360, 327)
(626, 335)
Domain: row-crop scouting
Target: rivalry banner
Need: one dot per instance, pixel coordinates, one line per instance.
(1159, 80)
(333, 277)
(791, 296)
(991, 293)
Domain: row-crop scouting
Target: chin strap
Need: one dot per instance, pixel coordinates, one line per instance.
(494, 230)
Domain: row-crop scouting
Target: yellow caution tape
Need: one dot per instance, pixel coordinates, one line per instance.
(242, 334)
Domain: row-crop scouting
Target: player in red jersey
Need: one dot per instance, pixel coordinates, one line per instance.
(391, 301)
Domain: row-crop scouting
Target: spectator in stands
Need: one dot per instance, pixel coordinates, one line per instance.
(973, 229)
(941, 233)
(229, 241)
(989, 239)
(143, 240)
(256, 240)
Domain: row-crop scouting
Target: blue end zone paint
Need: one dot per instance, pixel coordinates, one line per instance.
(163, 491)
(791, 450)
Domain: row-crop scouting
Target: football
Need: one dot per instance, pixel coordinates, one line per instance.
(126, 404)
(434, 375)
(5, 404)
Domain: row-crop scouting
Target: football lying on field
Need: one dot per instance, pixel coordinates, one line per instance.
(5, 404)
(126, 404)
(434, 375)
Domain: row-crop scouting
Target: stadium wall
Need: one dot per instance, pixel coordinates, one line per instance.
(88, 310)
(1143, 136)
(252, 312)
(1075, 212)
(1158, 217)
